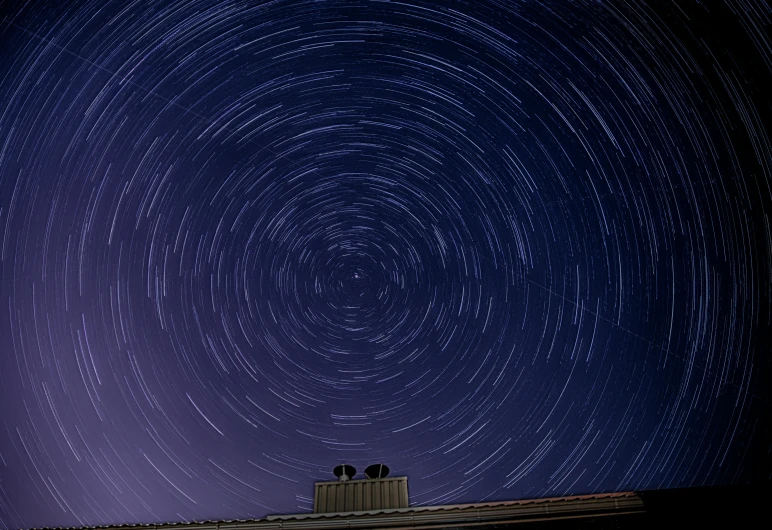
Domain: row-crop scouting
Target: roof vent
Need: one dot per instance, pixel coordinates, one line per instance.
(344, 472)
(346, 495)
(377, 471)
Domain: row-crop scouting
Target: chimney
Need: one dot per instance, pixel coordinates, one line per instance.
(375, 493)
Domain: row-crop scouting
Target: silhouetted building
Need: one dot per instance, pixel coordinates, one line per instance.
(380, 502)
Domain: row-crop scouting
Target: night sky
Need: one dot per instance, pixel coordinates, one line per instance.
(511, 249)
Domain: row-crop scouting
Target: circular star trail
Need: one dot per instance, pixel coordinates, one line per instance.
(511, 249)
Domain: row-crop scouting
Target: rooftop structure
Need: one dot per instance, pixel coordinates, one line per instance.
(376, 492)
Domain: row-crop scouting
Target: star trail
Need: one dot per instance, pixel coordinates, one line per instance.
(512, 249)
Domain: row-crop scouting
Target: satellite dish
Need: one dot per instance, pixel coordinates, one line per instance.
(344, 472)
(377, 471)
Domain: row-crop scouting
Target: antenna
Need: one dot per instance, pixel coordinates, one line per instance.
(377, 471)
(344, 472)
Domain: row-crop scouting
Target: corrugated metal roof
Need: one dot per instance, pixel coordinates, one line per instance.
(446, 507)
(478, 514)
(394, 516)
(455, 507)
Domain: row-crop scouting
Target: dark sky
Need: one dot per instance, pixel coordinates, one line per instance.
(511, 249)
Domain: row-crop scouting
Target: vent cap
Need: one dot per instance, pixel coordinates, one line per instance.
(377, 471)
(344, 472)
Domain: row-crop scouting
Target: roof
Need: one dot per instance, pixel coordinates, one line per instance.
(429, 516)
(455, 507)
(477, 513)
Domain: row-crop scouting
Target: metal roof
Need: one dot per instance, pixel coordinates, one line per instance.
(424, 516)
(448, 507)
